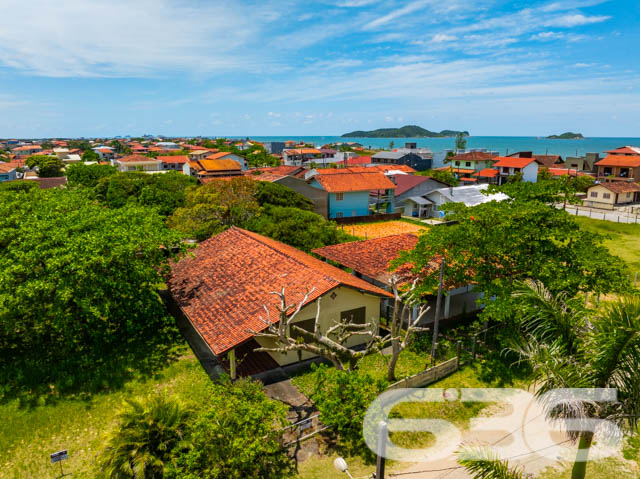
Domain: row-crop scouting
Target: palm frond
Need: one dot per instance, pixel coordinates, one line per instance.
(481, 463)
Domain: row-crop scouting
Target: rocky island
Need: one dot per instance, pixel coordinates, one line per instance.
(566, 136)
(408, 131)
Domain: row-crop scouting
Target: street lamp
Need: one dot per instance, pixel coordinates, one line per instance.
(341, 465)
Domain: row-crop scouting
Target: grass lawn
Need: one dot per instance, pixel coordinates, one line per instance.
(383, 228)
(623, 239)
(610, 468)
(29, 435)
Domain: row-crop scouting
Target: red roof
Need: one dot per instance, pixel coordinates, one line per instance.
(6, 167)
(370, 257)
(487, 173)
(473, 156)
(625, 150)
(405, 182)
(359, 160)
(182, 159)
(225, 285)
(630, 161)
(27, 148)
(348, 181)
(136, 159)
(619, 186)
(512, 162)
(565, 172)
(105, 150)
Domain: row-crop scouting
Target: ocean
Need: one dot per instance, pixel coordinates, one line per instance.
(502, 144)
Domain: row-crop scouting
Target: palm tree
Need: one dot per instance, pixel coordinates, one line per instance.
(571, 346)
(141, 445)
(482, 464)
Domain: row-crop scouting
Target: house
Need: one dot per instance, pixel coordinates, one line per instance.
(549, 161)
(412, 147)
(105, 153)
(612, 193)
(7, 172)
(354, 161)
(509, 166)
(201, 154)
(469, 195)
(621, 164)
(274, 147)
(212, 168)
(371, 259)
(224, 291)
(173, 162)
(583, 163)
(348, 190)
(138, 163)
(27, 150)
(225, 155)
(168, 145)
(487, 175)
(410, 191)
(411, 159)
(300, 156)
(66, 157)
(473, 160)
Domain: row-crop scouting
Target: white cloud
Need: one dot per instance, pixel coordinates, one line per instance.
(443, 37)
(575, 20)
(407, 9)
(547, 36)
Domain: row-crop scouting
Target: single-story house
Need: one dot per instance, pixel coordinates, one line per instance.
(612, 193)
(469, 195)
(173, 162)
(370, 260)
(7, 172)
(349, 191)
(212, 168)
(224, 290)
(410, 191)
(27, 150)
(474, 160)
(138, 163)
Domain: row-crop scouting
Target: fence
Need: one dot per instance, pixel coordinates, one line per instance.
(348, 220)
(428, 376)
(613, 216)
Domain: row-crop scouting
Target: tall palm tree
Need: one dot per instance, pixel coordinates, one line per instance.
(141, 445)
(482, 464)
(570, 346)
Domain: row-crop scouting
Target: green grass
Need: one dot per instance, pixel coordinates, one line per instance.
(29, 435)
(610, 468)
(623, 239)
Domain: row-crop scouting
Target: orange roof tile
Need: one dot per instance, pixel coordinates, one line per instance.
(219, 155)
(473, 156)
(6, 168)
(225, 285)
(370, 257)
(174, 159)
(219, 165)
(512, 162)
(336, 183)
(625, 150)
(631, 161)
(620, 186)
(487, 173)
(136, 159)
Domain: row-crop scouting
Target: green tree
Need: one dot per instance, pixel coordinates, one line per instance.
(18, 185)
(343, 398)
(517, 177)
(570, 346)
(149, 434)
(211, 208)
(88, 175)
(391, 145)
(236, 436)
(280, 195)
(447, 176)
(461, 141)
(78, 290)
(47, 166)
(448, 157)
(90, 155)
(302, 229)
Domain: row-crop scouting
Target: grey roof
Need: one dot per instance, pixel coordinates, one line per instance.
(390, 155)
(420, 200)
(470, 195)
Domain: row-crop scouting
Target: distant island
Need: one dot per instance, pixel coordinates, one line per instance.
(408, 131)
(567, 136)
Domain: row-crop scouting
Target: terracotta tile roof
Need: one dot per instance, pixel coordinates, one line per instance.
(6, 167)
(335, 183)
(473, 156)
(182, 159)
(625, 150)
(512, 162)
(565, 172)
(548, 160)
(27, 148)
(405, 182)
(219, 155)
(219, 165)
(620, 186)
(224, 286)
(385, 168)
(468, 180)
(631, 161)
(105, 150)
(370, 257)
(303, 151)
(487, 173)
(137, 159)
(360, 160)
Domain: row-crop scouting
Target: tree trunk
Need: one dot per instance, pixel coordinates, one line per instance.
(391, 370)
(580, 465)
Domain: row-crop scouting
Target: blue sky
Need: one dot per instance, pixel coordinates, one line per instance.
(196, 67)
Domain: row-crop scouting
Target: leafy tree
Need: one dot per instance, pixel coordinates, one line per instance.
(149, 434)
(391, 145)
(447, 176)
(517, 177)
(280, 195)
(48, 166)
(570, 346)
(497, 243)
(18, 185)
(544, 174)
(78, 289)
(90, 155)
(236, 436)
(448, 157)
(215, 206)
(343, 398)
(88, 175)
(120, 148)
(461, 141)
(302, 229)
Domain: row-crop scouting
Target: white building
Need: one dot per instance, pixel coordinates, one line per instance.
(470, 195)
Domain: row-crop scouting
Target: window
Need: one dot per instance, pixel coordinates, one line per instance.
(468, 163)
(457, 163)
(339, 214)
(516, 170)
(606, 196)
(593, 194)
(356, 316)
(628, 195)
(339, 196)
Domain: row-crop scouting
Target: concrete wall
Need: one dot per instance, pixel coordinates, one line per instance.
(330, 309)
(353, 203)
(319, 197)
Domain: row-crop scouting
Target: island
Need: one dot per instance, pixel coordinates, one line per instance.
(566, 136)
(407, 131)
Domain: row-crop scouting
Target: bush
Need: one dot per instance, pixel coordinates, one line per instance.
(88, 175)
(342, 399)
(19, 185)
(280, 195)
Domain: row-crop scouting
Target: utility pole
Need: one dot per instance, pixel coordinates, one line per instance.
(382, 444)
(434, 345)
